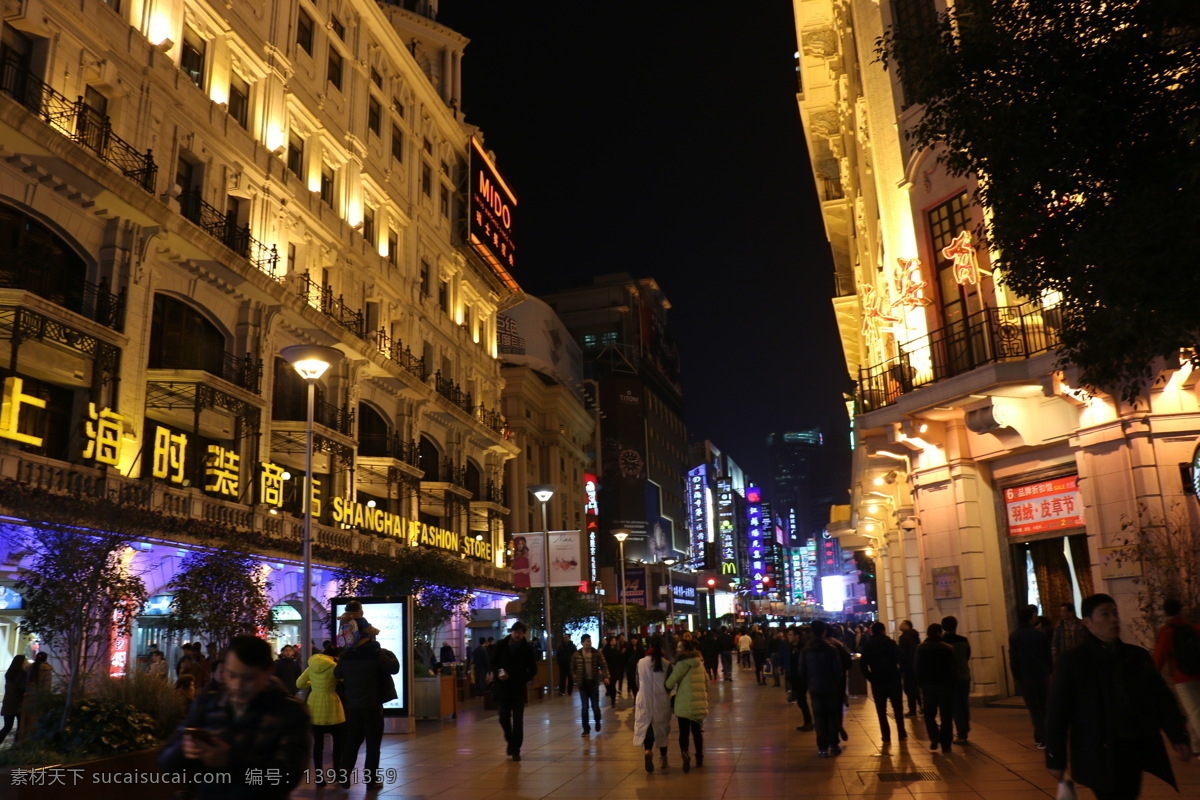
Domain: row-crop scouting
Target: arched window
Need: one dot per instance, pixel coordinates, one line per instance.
(34, 258)
(430, 460)
(289, 401)
(474, 480)
(372, 432)
(183, 338)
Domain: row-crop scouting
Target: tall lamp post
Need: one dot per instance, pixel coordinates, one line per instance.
(543, 493)
(310, 361)
(621, 534)
(670, 561)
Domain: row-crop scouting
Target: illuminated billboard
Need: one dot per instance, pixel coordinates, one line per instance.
(490, 219)
(756, 525)
(393, 617)
(726, 528)
(698, 510)
(591, 515)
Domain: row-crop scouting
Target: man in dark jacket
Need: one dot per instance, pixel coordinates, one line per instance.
(725, 648)
(1030, 658)
(516, 666)
(960, 704)
(566, 649)
(797, 689)
(1109, 703)
(823, 669)
(934, 666)
(909, 640)
(286, 668)
(255, 731)
(365, 690)
(481, 663)
(880, 664)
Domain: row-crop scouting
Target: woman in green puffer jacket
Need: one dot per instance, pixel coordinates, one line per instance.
(691, 700)
(328, 716)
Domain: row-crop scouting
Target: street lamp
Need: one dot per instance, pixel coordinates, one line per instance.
(621, 534)
(543, 493)
(670, 561)
(310, 361)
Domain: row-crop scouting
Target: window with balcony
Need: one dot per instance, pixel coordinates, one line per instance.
(304, 32)
(946, 222)
(239, 100)
(183, 338)
(429, 460)
(374, 116)
(289, 398)
(338, 28)
(34, 258)
(373, 432)
(295, 155)
(397, 144)
(53, 424)
(327, 185)
(368, 228)
(334, 72)
(191, 58)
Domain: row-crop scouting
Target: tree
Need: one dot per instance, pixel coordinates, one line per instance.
(220, 594)
(1170, 563)
(570, 610)
(78, 593)
(1079, 119)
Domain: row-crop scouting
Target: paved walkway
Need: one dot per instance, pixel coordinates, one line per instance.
(752, 750)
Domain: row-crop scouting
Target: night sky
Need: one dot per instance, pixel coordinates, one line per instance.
(663, 139)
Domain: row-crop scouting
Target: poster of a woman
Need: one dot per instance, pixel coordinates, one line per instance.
(522, 578)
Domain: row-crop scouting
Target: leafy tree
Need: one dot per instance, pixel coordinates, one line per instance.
(570, 610)
(220, 594)
(637, 615)
(1080, 120)
(1170, 563)
(78, 591)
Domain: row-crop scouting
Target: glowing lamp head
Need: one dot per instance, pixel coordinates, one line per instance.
(311, 361)
(621, 535)
(370, 504)
(670, 561)
(543, 492)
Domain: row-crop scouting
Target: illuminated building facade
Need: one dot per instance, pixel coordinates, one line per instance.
(982, 478)
(632, 368)
(189, 187)
(808, 477)
(552, 423)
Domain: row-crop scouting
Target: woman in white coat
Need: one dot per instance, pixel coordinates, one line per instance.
(652, 706)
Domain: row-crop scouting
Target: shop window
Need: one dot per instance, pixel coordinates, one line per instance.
(191, 59)
(304, 32)
(183, 338)
(239, 100)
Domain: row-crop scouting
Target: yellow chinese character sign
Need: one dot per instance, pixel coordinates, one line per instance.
(169, 456)
(270, 489)
(10, 411)
(221, 471)
(103, 433)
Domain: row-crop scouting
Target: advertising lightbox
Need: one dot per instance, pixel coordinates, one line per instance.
(393, 617)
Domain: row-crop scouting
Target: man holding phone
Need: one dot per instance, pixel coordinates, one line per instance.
(252, 731)
(516, 666)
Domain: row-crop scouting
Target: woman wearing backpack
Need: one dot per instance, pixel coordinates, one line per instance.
(691, 700)
(1179, 645)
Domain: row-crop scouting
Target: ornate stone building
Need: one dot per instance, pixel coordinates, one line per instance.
(983, 478)
(188, 187)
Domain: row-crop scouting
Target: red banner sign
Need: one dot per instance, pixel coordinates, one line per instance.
(1046, 506)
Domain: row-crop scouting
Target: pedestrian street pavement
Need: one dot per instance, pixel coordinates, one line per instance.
(752, 750)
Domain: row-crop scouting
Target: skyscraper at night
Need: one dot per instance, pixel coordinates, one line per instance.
(806, 482)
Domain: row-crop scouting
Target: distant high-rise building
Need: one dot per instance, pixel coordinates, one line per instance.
(806, 482)
(632, 366)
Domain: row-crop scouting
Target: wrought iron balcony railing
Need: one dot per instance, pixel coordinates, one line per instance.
(492, 492)
(399, 354)
(78, 122)
(491, 419)
(451, 391)
(90, 300)
(388, 445)
(321, 298)
(225, 229)
(1007, 333)
(450, 473)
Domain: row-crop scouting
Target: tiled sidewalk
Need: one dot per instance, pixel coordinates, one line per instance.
(752, 750)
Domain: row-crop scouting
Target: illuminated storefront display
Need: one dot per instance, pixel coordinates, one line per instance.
(222, 471)
(876, 318)
(169, 455)
(910, 289)
(755, 531)
(726, 528)
(365, 517)
(103, 431)
(10, 411)
(490, 221)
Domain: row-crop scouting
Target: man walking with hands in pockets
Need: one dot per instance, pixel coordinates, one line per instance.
(589, 670)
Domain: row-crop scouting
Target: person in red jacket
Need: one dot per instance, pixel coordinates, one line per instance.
(1187, 686)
